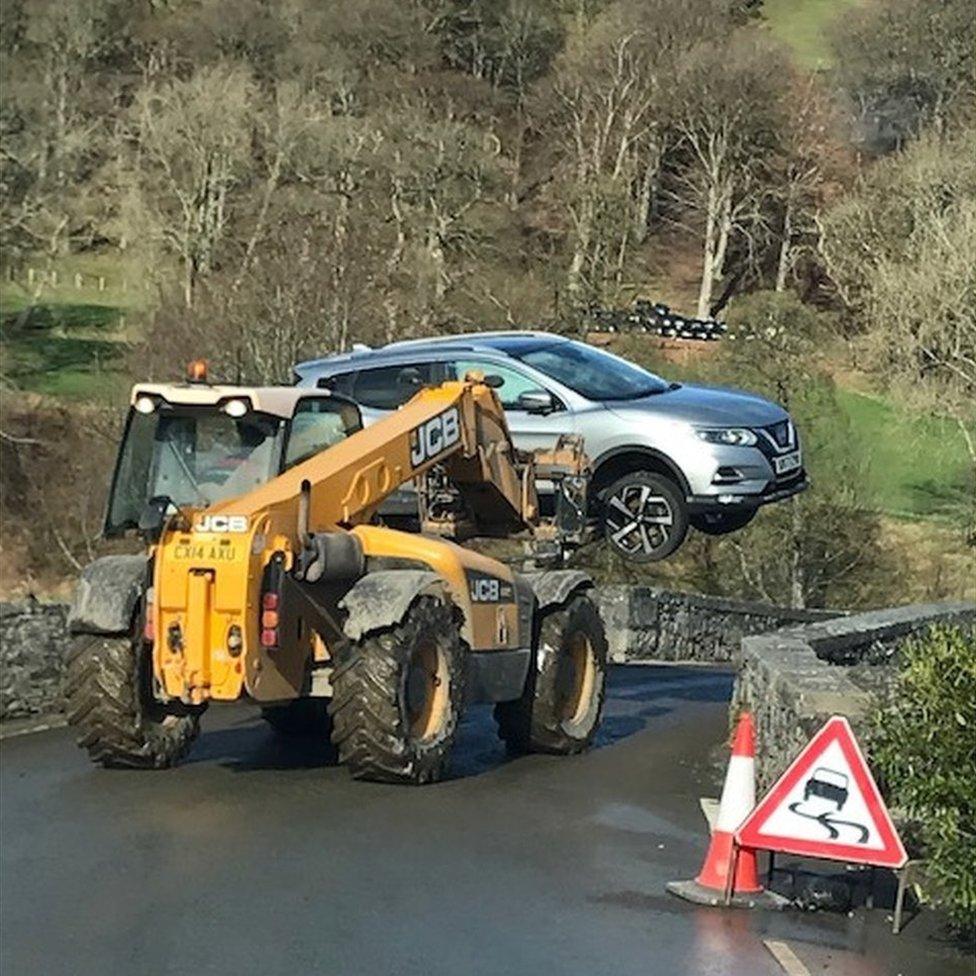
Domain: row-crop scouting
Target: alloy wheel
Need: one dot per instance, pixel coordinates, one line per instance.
(639, 520)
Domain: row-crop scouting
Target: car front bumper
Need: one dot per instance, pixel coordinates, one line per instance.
(775, 491)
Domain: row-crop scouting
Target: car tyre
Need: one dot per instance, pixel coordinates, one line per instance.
(723, 523)
(644, 516)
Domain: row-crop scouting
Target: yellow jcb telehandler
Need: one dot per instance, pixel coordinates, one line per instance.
(265, 576)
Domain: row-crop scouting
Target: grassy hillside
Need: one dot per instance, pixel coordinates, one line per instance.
(801, 24)
(63, 328)
(916, 465)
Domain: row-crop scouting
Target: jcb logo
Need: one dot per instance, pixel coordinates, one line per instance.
(486, 590)
(489, 589)
(434, 436)
(221, 523)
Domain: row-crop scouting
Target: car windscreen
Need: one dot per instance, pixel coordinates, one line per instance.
(194, 457)
(592, 373)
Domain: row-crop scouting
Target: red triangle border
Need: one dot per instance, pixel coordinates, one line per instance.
(837, 729)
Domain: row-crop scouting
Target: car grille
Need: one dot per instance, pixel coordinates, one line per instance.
(777, 438)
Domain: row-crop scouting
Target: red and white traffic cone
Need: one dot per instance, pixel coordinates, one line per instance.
(712, 886)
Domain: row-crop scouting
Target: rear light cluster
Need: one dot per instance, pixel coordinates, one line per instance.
(149, 624)
(269, 619)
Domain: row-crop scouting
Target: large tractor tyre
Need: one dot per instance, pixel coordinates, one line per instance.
(644, 516)
(397, 697)
(562, 704)
(109, 701)
(306, 716)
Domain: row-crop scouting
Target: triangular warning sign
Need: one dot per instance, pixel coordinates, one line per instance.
(826, 805)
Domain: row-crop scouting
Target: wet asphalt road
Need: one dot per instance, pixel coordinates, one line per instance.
(261, 856)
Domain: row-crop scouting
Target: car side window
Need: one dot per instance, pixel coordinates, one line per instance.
(389, 387)
(514, 383)
(319, 423)
(342, 383)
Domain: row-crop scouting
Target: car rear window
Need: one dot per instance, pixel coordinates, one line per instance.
(385, 387)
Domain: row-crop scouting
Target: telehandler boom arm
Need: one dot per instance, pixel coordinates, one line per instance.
(459, 426)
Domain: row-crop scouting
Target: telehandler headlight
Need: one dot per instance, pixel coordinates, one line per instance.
(145, 404)
(235, 408)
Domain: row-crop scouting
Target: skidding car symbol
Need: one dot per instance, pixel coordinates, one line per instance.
(828, 785)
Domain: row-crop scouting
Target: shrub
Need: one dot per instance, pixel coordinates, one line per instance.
(924, 748)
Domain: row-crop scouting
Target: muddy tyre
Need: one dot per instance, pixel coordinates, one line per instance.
(562, 704)
(109, 702)
(397, 697)
(307, 716)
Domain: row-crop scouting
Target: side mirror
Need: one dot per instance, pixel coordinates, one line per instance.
(536, 401)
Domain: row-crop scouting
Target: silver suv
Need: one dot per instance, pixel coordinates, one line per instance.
(664, 455)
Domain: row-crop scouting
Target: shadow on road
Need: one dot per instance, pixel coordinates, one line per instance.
(635, 696)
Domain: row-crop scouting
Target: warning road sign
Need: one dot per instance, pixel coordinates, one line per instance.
(826, 805)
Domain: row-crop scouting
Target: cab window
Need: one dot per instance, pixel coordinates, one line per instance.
(514, 383)
(319, 423)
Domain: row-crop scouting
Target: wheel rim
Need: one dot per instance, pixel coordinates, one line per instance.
(638, 519)
(427, 692)
(577, 678)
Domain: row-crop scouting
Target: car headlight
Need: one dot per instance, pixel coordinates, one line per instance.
(734, 436)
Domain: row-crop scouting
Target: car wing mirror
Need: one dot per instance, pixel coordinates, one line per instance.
(536, 401)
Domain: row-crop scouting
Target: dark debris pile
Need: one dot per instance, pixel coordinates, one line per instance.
(654, 318)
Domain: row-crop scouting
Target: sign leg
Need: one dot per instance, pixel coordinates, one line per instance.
(900, 900)
(730, 879)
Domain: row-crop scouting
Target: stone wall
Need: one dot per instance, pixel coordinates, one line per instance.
(816, 663)
(33, 641)
(646, 623)
(643, 624)
(793, 680)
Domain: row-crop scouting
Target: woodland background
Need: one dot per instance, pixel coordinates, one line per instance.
(258, 182)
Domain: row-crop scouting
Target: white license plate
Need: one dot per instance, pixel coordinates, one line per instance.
(788, 462)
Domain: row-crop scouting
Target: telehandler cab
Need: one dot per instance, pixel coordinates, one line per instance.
(265, 576)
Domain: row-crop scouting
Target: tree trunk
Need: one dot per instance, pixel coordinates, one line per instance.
(785, 248)
(646, 192)
(60, 121)
(798, 594)
(724, 232)
(574, 278)
(708, 255)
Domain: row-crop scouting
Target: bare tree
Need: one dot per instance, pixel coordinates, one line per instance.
(901, 249)
(727, 122)
(610, 88)
(193, 139)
